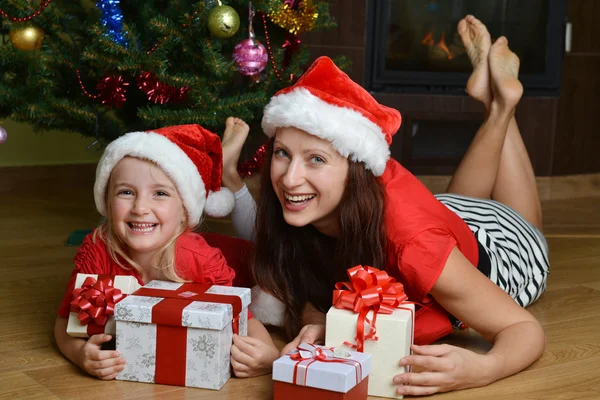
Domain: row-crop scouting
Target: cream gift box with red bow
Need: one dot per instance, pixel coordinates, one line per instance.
(180, 333)
(313, 371)
(371, 314)
(93, 304)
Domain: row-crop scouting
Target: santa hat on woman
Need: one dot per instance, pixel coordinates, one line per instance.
(326, 103)
(189, 154)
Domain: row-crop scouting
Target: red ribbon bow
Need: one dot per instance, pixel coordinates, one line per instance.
(368, 289)
(306, 354)
(95, 300)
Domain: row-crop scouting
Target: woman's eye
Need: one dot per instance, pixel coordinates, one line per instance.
(317, 160)
(281, 153)
(161, 193)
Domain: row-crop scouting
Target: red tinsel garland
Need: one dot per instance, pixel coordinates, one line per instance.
(159, 92)
(111, 91)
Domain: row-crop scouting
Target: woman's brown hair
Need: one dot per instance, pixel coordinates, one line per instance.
(299, 264)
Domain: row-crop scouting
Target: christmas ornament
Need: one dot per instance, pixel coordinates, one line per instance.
(223, 21)
(159, 92)
(111, 91)
(27, 38)
(112, 19)
(295, 16)
(249, 167)
(250, 55)
(291, 45)
(3, 135)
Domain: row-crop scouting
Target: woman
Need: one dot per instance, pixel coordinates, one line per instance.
(333, 199)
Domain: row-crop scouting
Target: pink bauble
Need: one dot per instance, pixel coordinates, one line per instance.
(250, 56)
(3, 135)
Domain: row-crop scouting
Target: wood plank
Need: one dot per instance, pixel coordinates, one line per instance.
(17, 385)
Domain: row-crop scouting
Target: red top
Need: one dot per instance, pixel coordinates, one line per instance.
(421, 233)
(196, 261)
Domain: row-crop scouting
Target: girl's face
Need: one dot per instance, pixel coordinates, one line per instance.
(145, 208)
(309, 177)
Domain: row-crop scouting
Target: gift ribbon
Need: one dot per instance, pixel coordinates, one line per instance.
(95, 301)
(369, 289)
(307, 354)
(171, 337)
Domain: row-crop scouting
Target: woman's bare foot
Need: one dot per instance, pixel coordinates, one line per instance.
(234, 136)
(477, 42)
(504, 73)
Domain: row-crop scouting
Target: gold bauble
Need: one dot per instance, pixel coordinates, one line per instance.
(27, 39)
(223, 22)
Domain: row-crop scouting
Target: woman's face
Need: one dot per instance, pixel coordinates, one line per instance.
(309, 177)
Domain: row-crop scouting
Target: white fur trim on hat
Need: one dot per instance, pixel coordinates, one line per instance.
(352, 134)
(266, 308)
(220, 203)
(167, 155)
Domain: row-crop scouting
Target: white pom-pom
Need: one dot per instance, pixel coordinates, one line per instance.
(219, 204)
(266, 308)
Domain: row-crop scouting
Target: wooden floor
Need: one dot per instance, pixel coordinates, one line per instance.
(36, 218)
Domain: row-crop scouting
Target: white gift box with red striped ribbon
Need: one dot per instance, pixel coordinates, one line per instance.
(180, 333)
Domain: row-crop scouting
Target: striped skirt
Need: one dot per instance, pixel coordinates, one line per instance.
(517, 250)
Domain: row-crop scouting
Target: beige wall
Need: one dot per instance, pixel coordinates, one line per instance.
(25, 147)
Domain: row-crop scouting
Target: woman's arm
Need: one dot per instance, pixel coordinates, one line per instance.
(518, 338)
(313, 330)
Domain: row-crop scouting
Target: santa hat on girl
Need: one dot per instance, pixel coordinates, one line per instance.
(326, 103)
(189, 154)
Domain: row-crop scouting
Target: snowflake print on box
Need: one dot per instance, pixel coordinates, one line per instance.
(206, 328)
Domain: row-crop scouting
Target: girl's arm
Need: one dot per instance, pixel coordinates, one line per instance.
(87, 354)
(243, 215)
(518, 338)
(253, 355)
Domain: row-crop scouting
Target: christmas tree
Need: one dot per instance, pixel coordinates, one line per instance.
(107, 68)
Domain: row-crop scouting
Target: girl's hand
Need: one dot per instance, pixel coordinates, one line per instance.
(443, 368)
(104, 364)
(313, 334)
(252, 357)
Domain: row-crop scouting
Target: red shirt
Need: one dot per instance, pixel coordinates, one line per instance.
(421, 233)
(195, 261)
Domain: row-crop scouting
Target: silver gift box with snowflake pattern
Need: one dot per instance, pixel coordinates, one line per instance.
(193, 349)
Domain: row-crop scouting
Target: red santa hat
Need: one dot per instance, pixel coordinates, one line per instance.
(326, 103)
(189, 154)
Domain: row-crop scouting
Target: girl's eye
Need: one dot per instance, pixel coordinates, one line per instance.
(125, 192)
(281, 153)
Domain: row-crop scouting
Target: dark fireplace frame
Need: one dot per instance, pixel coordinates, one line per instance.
(378, 79)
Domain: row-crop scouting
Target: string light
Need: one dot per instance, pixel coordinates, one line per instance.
(43, 5)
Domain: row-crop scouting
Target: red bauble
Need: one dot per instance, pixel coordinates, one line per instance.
(250, 56)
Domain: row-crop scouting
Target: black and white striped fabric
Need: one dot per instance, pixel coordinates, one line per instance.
(517, 250)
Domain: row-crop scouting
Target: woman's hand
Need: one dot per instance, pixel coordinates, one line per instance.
(443, 368)
(252, 357)
(103, 364)
(314, 334)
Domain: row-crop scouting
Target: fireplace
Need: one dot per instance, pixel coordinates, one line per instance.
(413, 46)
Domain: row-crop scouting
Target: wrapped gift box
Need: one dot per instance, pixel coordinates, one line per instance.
(321, 373)
(93, 305)
(394, 332)
(180, 333)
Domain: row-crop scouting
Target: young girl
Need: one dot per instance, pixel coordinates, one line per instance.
(331, 198)
(153, 187)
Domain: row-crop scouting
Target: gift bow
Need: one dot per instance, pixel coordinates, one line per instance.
(368, 289)
(95, 300)
(306, 354)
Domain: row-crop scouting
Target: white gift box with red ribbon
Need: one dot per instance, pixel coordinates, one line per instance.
(386, 335)
(180, 333)
(92, 309)
(321, 367)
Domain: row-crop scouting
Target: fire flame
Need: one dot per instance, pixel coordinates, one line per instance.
(429, 41)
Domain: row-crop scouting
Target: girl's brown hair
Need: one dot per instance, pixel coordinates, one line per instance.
(299, 264)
